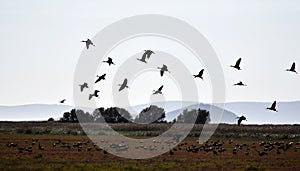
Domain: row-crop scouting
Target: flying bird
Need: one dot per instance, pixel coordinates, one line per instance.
(147, 55)
(237, 64)
(88, 42)
(240, 119)
(109, 61)
(158, 91)
(82, 86)
(123, 85)
(200, 74)
(293, 68)
(163, 69)
(273, 107)
(240, 84)
(62, 101)
(102, 77)
(94, 94)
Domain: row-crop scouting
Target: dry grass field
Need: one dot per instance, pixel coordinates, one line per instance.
(30, 146)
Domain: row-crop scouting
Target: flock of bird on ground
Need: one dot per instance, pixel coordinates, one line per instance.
(146, 55)
(215, 147)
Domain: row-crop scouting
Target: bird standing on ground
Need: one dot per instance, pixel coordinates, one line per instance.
(237, 64)
(123, 85)
(163, 69)
(88, 42)
(240, 119)
(158, 91)
(82, 86)
(240, 84)
(94, 94)
(109, 61)
(200, 74)
(102, 77)
(293, 68)
(62, 101)
(273, 107)
(147, 55)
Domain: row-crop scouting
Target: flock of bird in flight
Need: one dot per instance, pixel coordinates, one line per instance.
(146, 55)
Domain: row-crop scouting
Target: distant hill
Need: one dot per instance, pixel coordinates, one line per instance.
(174, 108)
(256, 113)
(32, 112)
(39, 112)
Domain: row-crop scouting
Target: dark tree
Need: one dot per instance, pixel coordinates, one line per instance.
(83, 116)
(73, 116)
(112, 115)
(151, 114)
(196, 116)
(66, 117)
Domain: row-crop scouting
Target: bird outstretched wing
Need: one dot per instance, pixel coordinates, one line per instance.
(160, 88)
(201, 73)
(273, 105)
(293, 67)
(144, 55)
(238, 62)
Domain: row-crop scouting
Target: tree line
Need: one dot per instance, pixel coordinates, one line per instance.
(151, 114)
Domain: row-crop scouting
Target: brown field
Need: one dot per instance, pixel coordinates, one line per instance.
(246, 139)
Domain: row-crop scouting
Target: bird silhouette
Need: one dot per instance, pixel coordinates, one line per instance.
(109, 61)
(102, 77)
(88, 42)
(163, 69)
(158, 91)
(200, 74)
(237, 64)
(147, 55)
(273, 107)
(240, 119)
(94, 94)
(240, 84)
(82, 86)
(62, 101)
(123, 85)
(293, 68)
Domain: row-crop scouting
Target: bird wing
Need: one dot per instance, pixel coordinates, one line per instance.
(81, 87)
(103, 76)
(201, 73)
(149, 52)
(161, 72)
(238, 62)
(273, 105)
(122, 87)
(239, 122)
(160, 88)
(90, 96)
(144, 56)
(99, 78)
(293, 66)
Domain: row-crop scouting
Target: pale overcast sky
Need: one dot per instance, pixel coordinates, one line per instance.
(40, 43)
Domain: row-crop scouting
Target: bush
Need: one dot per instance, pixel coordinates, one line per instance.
(50, 120)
